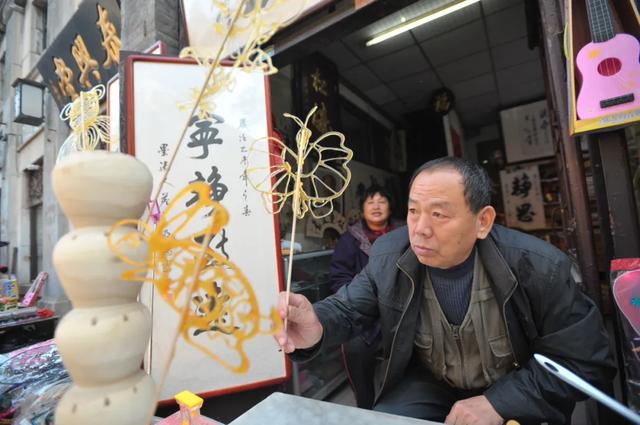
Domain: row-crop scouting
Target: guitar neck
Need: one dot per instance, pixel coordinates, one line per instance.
(600, 20)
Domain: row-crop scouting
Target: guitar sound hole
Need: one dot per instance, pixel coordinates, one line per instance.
(609, 66)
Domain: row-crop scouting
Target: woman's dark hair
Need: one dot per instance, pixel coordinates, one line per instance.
(372, 191)
(476, 182)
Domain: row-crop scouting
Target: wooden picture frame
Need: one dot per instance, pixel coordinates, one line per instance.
(155, 85)
(526, 130)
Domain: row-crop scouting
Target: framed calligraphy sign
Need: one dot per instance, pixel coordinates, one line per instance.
(527, 132)
(522, 196)
(215, 151)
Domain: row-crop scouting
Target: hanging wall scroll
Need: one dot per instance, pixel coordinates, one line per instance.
(522, 195)
(527, 132)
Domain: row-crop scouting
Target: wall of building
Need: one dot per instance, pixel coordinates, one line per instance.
(145, 22)
(29, 30)
(24, 145)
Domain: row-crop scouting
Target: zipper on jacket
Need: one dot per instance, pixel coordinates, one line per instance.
(413, 287)
(506, 299)
(393, 342)
(504, 317)
(456, 337)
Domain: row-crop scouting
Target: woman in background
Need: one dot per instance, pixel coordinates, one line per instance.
(349, 257)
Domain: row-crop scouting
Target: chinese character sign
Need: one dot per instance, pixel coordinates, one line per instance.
(214, 152)
(527, 132)
(522, 195)
(85, 53)
(318, 81)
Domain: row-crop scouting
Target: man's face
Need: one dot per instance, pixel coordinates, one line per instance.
(442, 228)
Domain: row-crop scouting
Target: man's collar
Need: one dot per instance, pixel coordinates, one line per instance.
(504, 282)
(494, 263)
(409, 263)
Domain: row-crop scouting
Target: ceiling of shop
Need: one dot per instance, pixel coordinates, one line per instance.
(479, 52)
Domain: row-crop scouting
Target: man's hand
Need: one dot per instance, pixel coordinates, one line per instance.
(303, 328)
(473, 411)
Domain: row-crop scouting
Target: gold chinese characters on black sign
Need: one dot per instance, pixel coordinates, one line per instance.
(318, 82)
(85, 53)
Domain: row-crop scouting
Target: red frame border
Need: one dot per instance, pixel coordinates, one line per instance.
(162, 48)
(129, 78)
(619, 264)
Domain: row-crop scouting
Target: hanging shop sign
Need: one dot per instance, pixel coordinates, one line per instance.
(522, 196)
(317, 79)
(527, 132)
(602, 48)
(85, 53)
(215, 152)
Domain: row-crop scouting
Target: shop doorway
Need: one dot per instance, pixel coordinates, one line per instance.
(462, 84)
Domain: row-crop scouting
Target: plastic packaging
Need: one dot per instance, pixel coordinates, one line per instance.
(24, 371)
(625, 282)
(38, 408)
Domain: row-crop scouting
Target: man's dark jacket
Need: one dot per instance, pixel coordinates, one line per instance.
(545, 312)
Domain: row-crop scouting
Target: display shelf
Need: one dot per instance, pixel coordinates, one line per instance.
(328, 388)
(20, 333)
(320, 376)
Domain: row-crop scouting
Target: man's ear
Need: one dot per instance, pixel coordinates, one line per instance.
(486, 217)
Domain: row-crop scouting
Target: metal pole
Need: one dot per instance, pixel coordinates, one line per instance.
(622, 234)
(625, 231)
(553, 29)
(607, 240)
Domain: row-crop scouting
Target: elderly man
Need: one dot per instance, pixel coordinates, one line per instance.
(463, 305)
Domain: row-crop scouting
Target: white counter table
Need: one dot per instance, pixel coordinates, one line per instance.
(287, 409)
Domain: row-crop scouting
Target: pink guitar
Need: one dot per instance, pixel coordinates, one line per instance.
(609, 67)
